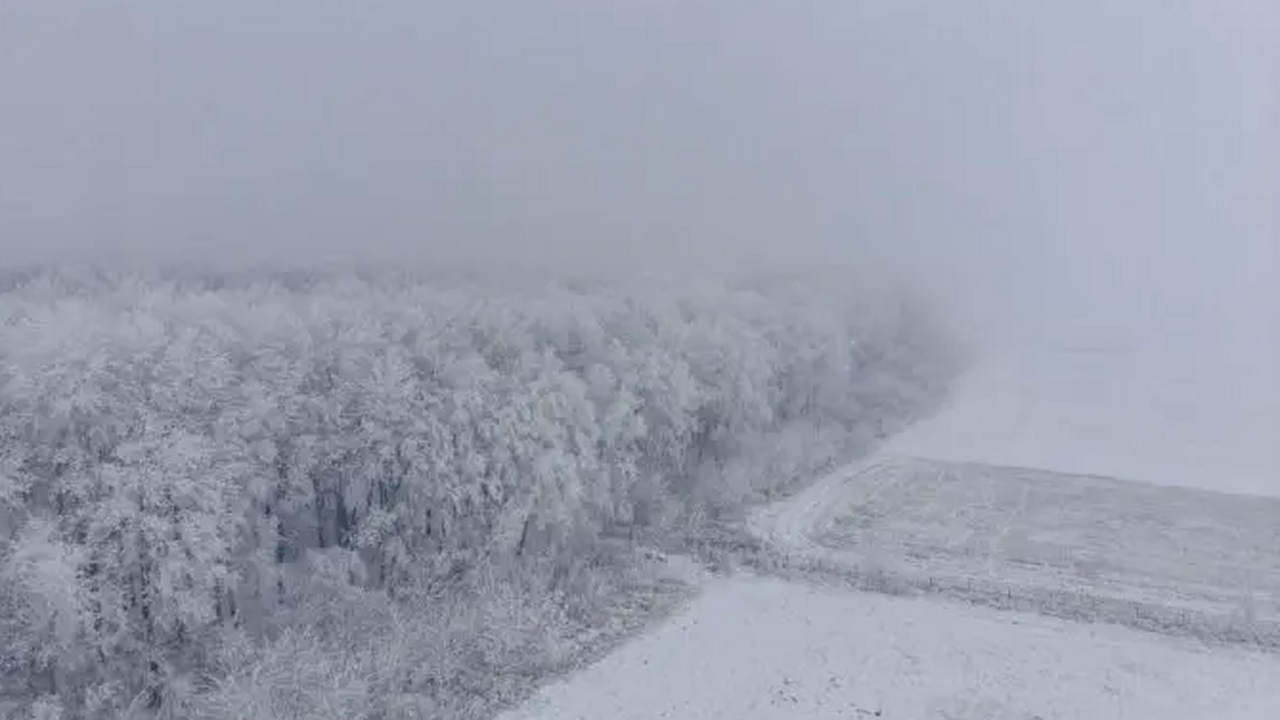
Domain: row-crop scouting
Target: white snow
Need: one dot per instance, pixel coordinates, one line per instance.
(749, 648)
(1184, 560)
(1199, 415)
(758, 649)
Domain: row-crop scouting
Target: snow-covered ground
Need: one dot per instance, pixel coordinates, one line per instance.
(753, 648)
(1194, 414)
(1176, 560)
(761, 649)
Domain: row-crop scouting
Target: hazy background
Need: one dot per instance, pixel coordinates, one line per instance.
(1108, 165)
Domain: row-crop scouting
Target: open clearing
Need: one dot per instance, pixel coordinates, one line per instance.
(952, 512)
(761, 649)
(1174, 560)
(1113, 553)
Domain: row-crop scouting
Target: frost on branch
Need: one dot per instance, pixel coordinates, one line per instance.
(191, 463)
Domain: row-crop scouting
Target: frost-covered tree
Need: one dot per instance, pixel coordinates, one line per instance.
(194, 465)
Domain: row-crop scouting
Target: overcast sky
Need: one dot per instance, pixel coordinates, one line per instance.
(1079, 154)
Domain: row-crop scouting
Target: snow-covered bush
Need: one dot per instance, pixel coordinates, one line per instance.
(189, 462)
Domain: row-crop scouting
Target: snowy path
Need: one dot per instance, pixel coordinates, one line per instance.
(757, 649)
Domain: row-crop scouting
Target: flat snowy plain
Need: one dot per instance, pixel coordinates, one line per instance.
(1009, 491)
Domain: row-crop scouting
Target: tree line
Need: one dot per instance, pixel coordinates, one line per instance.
(184, 455)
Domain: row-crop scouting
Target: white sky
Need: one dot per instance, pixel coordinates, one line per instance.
(1061, 159)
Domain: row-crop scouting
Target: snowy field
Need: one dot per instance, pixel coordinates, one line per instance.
(760, 649)
(1192, 549)
(1203, 415)
(1009, 492)
(1175, 560)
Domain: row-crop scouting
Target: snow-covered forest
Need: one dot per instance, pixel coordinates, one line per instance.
(352, 494)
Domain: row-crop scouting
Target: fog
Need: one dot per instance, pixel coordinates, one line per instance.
(1108, 164)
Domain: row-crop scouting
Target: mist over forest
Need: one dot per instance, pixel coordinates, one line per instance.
(1066, 162)
(357, 360)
